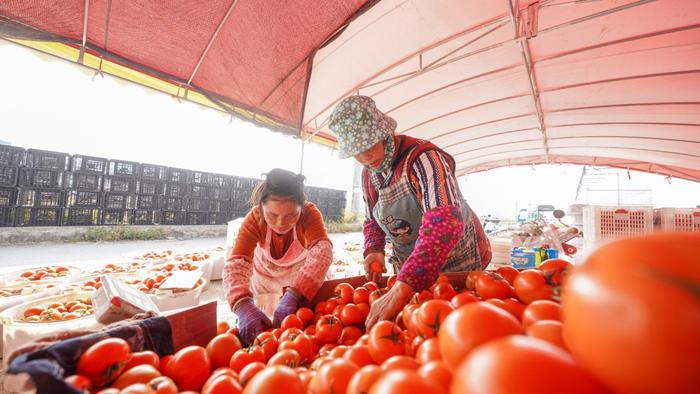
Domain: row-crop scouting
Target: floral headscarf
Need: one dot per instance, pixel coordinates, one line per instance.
(359, 125)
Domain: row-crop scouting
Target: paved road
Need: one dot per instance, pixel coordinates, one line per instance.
(12, 257)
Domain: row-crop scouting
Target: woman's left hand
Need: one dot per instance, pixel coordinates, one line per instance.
(389, 305)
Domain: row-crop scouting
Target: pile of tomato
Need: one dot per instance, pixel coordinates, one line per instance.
(111, 268)
(152, 283)
(628, 322)
(44, 273)
(59, 311)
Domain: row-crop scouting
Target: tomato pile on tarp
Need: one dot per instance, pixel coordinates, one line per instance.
(628, 322)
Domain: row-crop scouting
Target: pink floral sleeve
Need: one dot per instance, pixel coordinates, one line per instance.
(236, 277)
(439, 232)
(375, 239)
(313, 273)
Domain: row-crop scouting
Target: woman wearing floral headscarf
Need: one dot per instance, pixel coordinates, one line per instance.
(412, 201)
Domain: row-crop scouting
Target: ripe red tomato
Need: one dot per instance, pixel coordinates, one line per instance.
(421, 297)
(428, 351)
(471, 279)
(444, 291)
(430, 316)
(249, 371)
(222, 327)
(362, 381)
(361, 295)
(541, 310)
(548, 330)
(344, 293)
(463, 298)
(145, 357)
(142, 373)
(286, 357)
(638, 330)
(274, 380)
(190, 368)
(268, 342)
(305, 314)
(163, 385)
(404, 381)
(556, 271)
(104, 361)
(338, 351)
(333, 377)
(531, 285)
(436, 371)
(331, 304)
(221, 349)
(351, 315)
(164, 363)
(350, 335)
(297, 341)
(364, 308)
(492, 285)
(470, 326)
(386, 340)
(246, 356)
(328, 329)
(508, 273)
(370, 286)
(222, 384)
(359, 355)
(292, 321)
(320, 307)
(540, 367)
(399, 362)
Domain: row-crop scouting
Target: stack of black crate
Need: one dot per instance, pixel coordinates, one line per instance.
(11, 158)
(149, 194)
(241, 190)
(219, 198)
(119, 199)
(330, 202)
(83, 184)
(175, 189)
(197, 202)
(40, 195)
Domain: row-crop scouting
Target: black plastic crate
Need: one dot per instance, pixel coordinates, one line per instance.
(40, 198)
(152, 172)
(148, 186)
(148, 201)
(12, 156)
(118, 184)
(8, 196)
(58, 161)
(118, 201)
(81, 217)
(237, 213)
(198, 191)
(200, 178)
(7, 219)
(122, 168)
(240, 205)
(219, 193)
(83, 199)
(146, 217)
(241, 194)
(221, 180)
(175, 189)
(219, 206)
(8, 176)
(336, 203)
(115, 217)
(38, 216)
(173, 204)
(40, 178)
(83, 181)
(217, 217)
(197, 218)
(197, 204)
(172, 217)
(177, 175)
(243, 183)
(91, 164)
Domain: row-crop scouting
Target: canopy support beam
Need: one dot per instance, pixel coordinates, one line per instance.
(209, 44)
(81, 55)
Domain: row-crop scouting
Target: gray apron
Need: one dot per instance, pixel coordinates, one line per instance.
(399, 215)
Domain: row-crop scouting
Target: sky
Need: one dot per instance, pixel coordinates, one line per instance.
(48, 103)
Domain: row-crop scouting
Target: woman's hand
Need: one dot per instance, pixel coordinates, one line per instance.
(389, 305)
(374, 266)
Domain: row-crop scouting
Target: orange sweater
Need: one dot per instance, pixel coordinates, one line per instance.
(310, 230)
